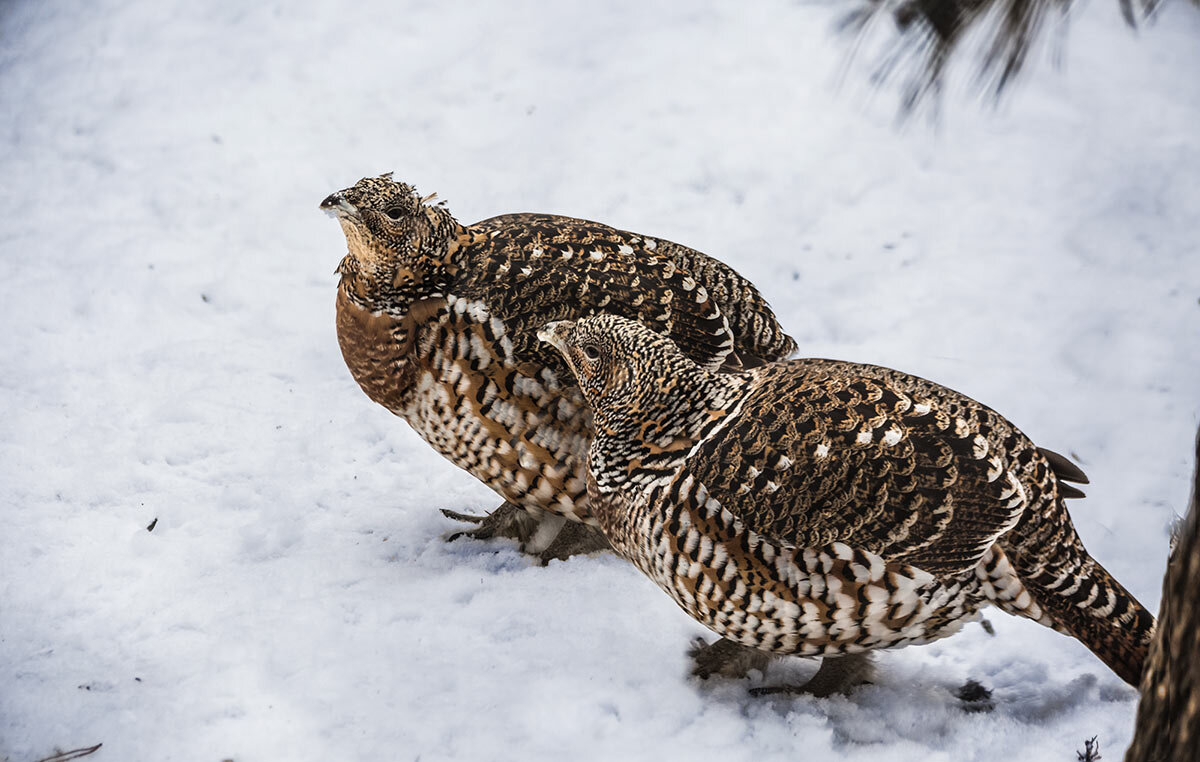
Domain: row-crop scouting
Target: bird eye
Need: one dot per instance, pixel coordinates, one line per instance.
(591, 352)
(395, 212)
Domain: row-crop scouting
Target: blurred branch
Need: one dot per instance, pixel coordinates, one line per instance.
(1168, 716)
(931, 31)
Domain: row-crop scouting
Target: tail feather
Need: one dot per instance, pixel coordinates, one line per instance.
(1078, 595)
(1108, 619)
(1063, 468)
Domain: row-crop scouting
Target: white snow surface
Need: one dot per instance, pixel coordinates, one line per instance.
(169, 353)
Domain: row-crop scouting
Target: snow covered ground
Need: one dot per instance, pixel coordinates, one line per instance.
(168, 353)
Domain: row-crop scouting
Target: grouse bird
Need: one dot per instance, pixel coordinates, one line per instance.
(437, 322)
(824, 508)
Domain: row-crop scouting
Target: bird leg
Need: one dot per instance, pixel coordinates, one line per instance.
(837, 674)
(509, 520)
(574, 538)
(548, 537)
(726, 658)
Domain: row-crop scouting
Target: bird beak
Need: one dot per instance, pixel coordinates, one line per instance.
(336, 206)
(555, 333)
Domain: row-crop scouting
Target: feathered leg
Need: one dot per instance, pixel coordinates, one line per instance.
(548, 537)
(837, 674)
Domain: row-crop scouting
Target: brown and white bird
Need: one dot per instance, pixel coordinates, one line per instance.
(825, 508)
(437, 322)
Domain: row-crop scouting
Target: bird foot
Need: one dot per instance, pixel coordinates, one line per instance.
(572, 540)
(837, 674)
(508, 521)
(725, 658)
(546, 538)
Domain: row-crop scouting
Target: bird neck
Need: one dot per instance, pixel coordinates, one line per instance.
(644, 440)
(461, 244)
(423, 269)
(393, 292)
(444, 249)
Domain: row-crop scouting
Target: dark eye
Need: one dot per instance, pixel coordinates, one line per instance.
(591, 352)
(396, 212)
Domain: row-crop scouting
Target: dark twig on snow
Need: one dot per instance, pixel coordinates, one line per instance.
(1091, 751)
(975, 697)
(63, 756)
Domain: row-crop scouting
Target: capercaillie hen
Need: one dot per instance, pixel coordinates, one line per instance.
(437, 322)
(824, 508)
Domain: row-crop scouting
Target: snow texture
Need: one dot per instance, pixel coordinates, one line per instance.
(169, 354)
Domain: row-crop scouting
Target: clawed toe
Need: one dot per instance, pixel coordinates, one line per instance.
(547, 537)
(463, 516)
(484, 529)
(479, 533)
(509, 521)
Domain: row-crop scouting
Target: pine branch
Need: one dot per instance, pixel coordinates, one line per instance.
(932, 31)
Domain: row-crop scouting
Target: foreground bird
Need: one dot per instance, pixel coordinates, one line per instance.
(825, 508)
(437, 323)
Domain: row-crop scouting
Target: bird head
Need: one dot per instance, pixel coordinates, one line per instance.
(650, 403)
(626, 371)
(399, 243)
(600, 352)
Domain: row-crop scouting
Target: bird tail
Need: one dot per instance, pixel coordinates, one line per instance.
(1075, 593)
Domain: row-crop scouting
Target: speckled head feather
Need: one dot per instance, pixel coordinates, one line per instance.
(398, 242)
(613, 358)
(643, 391)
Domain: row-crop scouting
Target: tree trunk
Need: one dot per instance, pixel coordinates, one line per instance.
(1168, 718)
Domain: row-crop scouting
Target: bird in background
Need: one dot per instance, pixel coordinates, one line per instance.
(437, 322)
(823, 508)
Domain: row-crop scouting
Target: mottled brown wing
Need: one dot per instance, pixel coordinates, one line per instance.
(824, 451)
(535, 268)
(758, 337)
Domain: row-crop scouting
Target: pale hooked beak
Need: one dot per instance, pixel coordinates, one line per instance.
(555, 333)
(336, 206)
